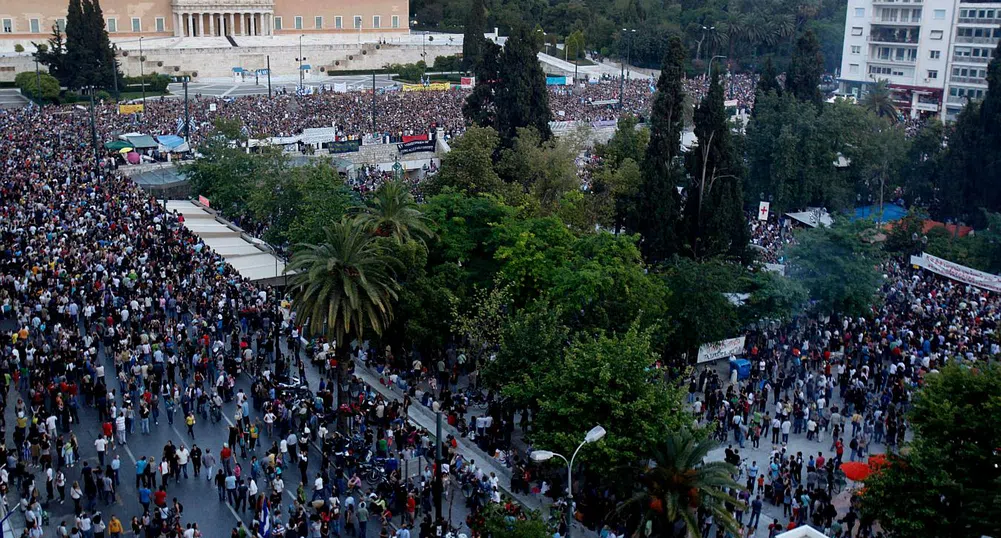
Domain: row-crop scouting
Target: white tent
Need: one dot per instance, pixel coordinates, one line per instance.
(812, 216)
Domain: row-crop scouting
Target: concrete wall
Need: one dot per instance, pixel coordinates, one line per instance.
(219, 62)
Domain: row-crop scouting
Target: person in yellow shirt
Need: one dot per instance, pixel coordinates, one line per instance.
(115, 529)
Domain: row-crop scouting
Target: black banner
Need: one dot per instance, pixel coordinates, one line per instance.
(406, 148)
(346, 146)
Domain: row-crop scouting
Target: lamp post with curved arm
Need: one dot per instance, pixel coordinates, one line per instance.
(593, 436)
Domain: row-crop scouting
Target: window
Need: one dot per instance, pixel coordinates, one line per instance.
(856, 49)
(278, 23)
(939, 14)
(160, 25)
(298, 23)
(376, 21)
(112, 25)
(318, 22)
(874, 70)
(853, 68)
(396, 21)
(357, 22)
(338, 22)
(932, 74)
(934, 54)
(61, 25)
(859, 12)
(857, 30)
(34, 25)
(8, 26)
(136, 25)
(936, 34)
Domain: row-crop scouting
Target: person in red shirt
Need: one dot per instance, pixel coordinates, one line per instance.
(160, 497)
(106, 427)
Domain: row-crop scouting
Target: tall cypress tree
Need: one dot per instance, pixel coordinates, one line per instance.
(805, 68)
(77, 56)
(714, 222)
(479, 107)
(521, 97)
(768, 79)
(657, 202)
(472, 38)
(104, 53)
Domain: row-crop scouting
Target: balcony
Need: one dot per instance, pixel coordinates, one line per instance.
(891, 61)
(896, 22)
(968, 80)
(893, 40)
(971, 59)
(977, 40)
(897, 2)
(957, 100)
(974, 20)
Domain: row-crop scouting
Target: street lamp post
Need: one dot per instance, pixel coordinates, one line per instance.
(593, 436)
(622, 66)
(698, 49)
(300, 60)
(709, 67)
(142, 76)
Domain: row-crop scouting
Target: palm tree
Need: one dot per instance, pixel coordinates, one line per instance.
(393, 212)
(344, 285)
(678, 483)
(879, 100)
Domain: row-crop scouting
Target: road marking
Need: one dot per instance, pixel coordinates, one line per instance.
(129, 452)
(229, 91)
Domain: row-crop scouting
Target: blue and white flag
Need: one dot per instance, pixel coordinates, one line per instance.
(265, 527)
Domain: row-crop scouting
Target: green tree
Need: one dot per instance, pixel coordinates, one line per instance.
(714, 220)
(495, 522)
(606, 380)
(43, 85)
(805, 68)
(522, 99)
(878, 99)
(658, 206)
(697, 308)
(839, 266)
(923, 164)
(480, 106)
(531, 341)
(974, 176)
(949, 482)
(297, 201)
(53, 55)
(678, 484)
(473, 35)
(469, 167)
(344, 286)
(768, 80)
(544, 168)
(574, 43)
(392, 212)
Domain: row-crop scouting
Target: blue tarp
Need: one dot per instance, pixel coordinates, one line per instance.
(891, 212)
(170, 141)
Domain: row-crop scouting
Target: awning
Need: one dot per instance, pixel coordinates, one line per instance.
(811, 216)
(170, 141)
(305, 67)
(142, 141)
(117, 145)
(238, 70)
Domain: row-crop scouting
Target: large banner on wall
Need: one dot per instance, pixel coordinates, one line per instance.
(467, 83)
(718, 350)
(432, 87)
(406, 148)
(961, 273)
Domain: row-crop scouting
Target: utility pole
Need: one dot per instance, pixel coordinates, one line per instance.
(622, 66)
(38, 85)
(93, 132)
(437, 486)
(300, 59)
(373, 102)
(187, 113)
(269, 76)
(142, 75)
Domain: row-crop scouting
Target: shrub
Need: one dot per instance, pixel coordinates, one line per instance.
(28, 82)
(18, 48)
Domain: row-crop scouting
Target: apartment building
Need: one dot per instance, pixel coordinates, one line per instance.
(933, 53)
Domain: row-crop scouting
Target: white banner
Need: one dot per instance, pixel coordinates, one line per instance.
(340, 87)
(957, 272)
(718, 350)
(763, 208)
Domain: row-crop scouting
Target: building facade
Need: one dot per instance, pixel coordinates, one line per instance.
(933, 53)
(33, 21)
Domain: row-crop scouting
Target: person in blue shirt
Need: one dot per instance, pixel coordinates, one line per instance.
(145, 496)
(140, 470)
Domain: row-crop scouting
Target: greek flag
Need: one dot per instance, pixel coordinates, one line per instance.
(265, 527)
(192, 126)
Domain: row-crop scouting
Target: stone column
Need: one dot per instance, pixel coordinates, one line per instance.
(191, 26)
(211, 24)
(253, 24)
(229, 27)
(177, 23)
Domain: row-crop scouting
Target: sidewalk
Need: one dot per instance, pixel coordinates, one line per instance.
(425, 418)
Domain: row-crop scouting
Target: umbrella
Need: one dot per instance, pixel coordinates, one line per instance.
(125, 150)
(877, 460)
(856, 471)
(133, 157)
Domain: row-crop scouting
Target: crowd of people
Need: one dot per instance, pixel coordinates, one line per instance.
(736, 86)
